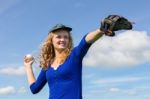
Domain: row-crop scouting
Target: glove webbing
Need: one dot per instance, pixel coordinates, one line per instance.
(113, 20)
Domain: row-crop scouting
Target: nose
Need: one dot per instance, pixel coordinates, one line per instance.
(63, 39)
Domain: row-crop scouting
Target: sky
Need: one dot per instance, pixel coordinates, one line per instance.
(115, 67)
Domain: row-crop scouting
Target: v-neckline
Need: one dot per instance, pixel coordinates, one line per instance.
(60, 65)
(55, 69)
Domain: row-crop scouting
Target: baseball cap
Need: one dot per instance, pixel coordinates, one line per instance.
(60, 26)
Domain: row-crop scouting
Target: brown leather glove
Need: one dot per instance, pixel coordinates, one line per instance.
(114, 23)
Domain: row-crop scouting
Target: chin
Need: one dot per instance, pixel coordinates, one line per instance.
(62, 48)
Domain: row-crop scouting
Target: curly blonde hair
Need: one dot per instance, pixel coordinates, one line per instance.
(47, 53)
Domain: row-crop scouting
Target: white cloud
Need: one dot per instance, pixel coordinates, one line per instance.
(11, 90)
(13, 71)
(117, 80)
(125, 49)
(7, 90)
(132, 93)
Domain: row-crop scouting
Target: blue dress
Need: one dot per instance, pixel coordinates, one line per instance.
(66, 81)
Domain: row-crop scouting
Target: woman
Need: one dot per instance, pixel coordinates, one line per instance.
(61, 64)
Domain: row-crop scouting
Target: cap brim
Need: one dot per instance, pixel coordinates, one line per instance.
(63, 28)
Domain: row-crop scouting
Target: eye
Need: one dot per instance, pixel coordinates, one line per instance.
(58, 36)
(66, 37)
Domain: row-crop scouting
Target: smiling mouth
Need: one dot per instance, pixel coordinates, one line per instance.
(62, 44)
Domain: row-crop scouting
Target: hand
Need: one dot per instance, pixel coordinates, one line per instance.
(28, 61)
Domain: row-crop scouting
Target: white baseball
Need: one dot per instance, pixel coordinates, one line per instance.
(29, 56)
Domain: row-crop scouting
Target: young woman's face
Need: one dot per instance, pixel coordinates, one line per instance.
(60, 39)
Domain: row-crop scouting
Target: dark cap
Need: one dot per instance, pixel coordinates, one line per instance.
(60, 26)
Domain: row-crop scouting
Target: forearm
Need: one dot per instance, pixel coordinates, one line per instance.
(93, 36)
(30, 75)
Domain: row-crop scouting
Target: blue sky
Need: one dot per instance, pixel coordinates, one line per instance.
(113, 68)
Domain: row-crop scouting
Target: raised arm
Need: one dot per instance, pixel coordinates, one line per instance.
(93, 36)
(108, 27)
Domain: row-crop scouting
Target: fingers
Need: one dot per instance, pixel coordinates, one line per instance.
(28, 60)
(110, 33)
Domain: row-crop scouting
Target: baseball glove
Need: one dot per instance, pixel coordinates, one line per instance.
(114, 23)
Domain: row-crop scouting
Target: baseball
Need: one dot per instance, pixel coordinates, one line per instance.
(29, 57)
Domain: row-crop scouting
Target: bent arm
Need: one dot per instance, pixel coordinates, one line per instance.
(30, 74)
(93, 36)
(35, 84)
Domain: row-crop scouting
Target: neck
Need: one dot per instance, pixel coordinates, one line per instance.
(58, 53)
(58, 57)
